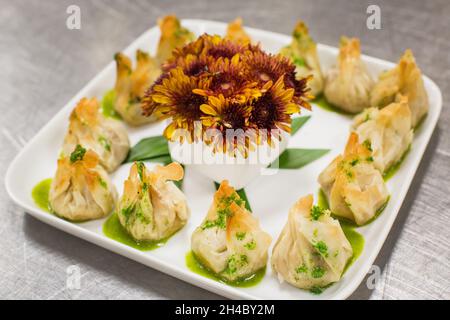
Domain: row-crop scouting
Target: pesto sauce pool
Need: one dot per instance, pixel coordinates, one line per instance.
(40, 194)
(396, 166)
(323, 103)
(197, 267)
(348, 227)
(113, 229)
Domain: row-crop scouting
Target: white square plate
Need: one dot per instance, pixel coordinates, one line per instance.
(269, 196)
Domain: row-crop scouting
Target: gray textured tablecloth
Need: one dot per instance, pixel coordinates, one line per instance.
(43, 64)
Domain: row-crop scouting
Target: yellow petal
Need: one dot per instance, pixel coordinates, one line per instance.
(206, 108)
(292, 108)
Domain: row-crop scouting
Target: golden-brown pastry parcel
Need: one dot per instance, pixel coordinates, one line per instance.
(354, 187)
(230, 241)
(312, 250)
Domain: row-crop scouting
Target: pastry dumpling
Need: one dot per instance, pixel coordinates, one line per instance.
(312, 250)
(348, 84)
(81, 189)
(152, 208)
(230, 241)
(131, 86)
(173, 36)
(354, 187)
(405, 79)
(107, 137)
(303, 53)
(235, 32)
(387, 130)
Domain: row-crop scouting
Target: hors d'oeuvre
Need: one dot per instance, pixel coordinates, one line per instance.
(131, 85)
(388, 131)
(303, 53)
(107, 137)
(173, 35)
(312, 250)
(405, 79)
(152, 208)
(354, 187)
(348, 84)
(236, 33)
(230, 242)
(81, 189)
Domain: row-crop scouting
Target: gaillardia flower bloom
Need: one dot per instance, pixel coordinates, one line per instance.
(274, 108)
(224, 85)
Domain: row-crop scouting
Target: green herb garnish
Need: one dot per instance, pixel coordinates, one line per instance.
(102, 182)
(322, 248)
(302, 269)
(251, 245)
(105, 143)
(77, 154)
(140, 168)
(367, 144)
(223, 212)
(316, 212)
(316, 290)
(317, 272)
(240, 235)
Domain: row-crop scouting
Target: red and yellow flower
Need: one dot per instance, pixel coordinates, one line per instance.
(227, 85)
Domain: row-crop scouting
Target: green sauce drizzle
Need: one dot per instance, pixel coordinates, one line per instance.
(197, 267)
(323, 103)
(108, 109)
(40, 194)
(356, 239)
(419, 124)
(396, 166)
(112, 228)
(323, 203)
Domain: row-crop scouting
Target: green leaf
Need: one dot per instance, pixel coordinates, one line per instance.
(242, 195)
(108, 109)
(148, 149)
(298, 158)
(297, 123)
(153, 149)
(178, 183)
(165, 159)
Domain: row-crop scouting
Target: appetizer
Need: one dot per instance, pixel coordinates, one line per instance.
(236, 33)
(152, 208)
(405, 79)
(131, 86)
(107, 137)
(387, 130)
(230, 241)
(173, 36)
(81, 189)
(354, 187)
(303, 53)
(348, 84)
(312, 250)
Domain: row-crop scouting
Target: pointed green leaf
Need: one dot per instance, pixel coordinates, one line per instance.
(297, 123)
(298, 158)
(149, 148)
